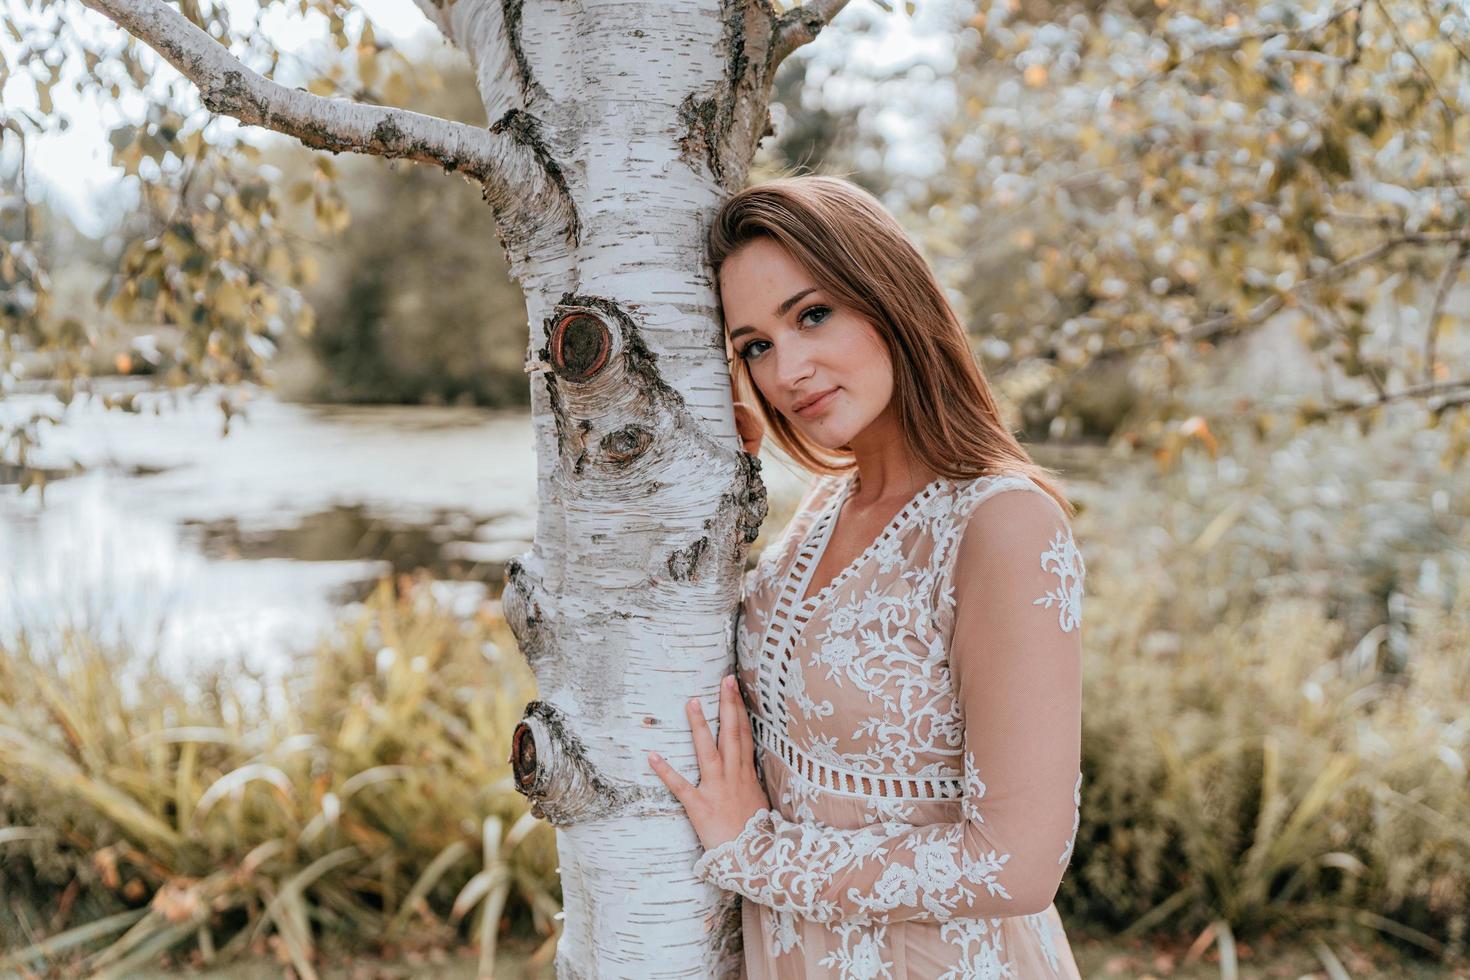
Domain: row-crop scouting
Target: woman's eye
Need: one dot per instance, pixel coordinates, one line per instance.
(750, 351)
(814, 309)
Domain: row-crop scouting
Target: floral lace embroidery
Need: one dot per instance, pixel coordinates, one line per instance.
(796, 690)
(862, 960)
(937, 880)
(784, 934)
(886, 641)
(1065, 561)
(1076, 820)
(974, 791)
(982, 957)
(870, 642)
(1041, 922)
(790, 867)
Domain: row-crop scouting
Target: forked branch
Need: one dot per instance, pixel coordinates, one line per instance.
(801, 25)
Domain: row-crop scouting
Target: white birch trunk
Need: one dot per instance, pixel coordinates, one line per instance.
(615, 128)
(624, 607)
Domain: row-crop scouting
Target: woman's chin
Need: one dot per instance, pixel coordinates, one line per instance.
(830, 437)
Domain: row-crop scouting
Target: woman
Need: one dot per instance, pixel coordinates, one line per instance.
(910, 648)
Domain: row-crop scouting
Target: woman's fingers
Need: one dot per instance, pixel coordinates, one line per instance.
(742, 730)
(682, 788)
(730, 707)
(704, 743)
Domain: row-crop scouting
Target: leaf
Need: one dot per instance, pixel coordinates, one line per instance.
(78, 936)
(443, 861)
(236, 780)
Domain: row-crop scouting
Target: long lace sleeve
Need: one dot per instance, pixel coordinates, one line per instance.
(1015, 661)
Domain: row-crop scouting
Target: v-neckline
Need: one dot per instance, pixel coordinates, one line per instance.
(826, 524)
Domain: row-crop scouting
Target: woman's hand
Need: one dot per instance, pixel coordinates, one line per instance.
(729, 791)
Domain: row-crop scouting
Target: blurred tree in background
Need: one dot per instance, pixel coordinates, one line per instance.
(1132, 189)
(413, 301)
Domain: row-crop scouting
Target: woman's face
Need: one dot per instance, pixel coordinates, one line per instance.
(822, 366)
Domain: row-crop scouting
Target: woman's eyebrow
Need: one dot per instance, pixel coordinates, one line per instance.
(779, 311)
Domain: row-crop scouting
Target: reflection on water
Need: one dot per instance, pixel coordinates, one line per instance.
(196, 546)
(177, 540)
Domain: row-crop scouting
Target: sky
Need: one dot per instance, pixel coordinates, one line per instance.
(71, 168)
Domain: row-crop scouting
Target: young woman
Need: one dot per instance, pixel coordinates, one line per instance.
(901, 799)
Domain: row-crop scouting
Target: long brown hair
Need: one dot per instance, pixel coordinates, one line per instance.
(859, 253)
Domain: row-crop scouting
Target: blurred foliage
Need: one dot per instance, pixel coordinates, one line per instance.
(208, 260)
(364, 801)
(1148, 181)
(1278, 639)
(815, 128)
(414, 300)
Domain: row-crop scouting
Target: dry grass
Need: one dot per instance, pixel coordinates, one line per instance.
(365, 801)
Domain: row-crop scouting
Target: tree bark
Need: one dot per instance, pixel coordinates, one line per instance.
(625, 606)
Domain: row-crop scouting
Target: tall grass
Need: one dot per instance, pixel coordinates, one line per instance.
(1276, 735)
(364, 800)
(1277, 702)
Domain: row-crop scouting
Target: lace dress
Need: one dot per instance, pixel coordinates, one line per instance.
(919, 738)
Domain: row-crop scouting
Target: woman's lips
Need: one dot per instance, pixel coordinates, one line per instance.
(818, 406)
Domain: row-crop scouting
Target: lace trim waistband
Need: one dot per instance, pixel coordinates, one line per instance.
(850, 782)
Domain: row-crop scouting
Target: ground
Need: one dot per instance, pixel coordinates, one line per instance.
(1097, 959)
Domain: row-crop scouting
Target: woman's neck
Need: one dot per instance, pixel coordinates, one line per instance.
(886, 469)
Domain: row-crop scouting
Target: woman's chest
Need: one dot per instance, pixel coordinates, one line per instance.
(856, 675)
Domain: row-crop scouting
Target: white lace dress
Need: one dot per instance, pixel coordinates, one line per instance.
(919, 737)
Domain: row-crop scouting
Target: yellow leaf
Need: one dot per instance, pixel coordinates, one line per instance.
(229, 301)
(306, 270)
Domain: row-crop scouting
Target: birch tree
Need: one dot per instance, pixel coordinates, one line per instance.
(615, 128)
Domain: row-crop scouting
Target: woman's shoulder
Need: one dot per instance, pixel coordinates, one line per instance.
(1017, 488)
(1012, 521)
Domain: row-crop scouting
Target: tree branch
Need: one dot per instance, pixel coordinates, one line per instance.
(801, 25)
(435, 11)
(1460, 385)
(1229, 324)
(1237, 41)
(228, 87)
(1446, 282)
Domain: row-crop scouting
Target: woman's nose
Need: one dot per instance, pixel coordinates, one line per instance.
(793, 366)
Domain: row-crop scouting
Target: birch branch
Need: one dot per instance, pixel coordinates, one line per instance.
(801, 25)
(230, 88)
(438, 16)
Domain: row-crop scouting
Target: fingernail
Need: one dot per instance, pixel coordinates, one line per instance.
(730, 681)
(655, 757)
